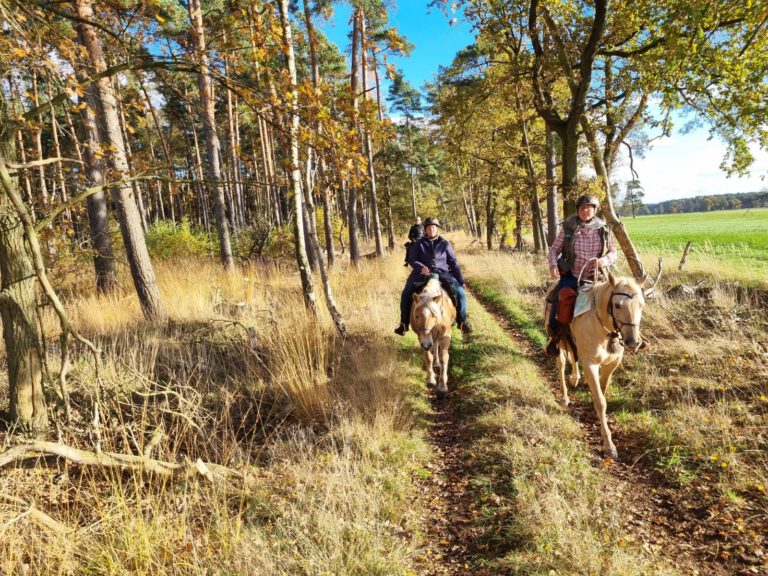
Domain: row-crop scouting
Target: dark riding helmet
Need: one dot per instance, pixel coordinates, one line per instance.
(432, 222)
(587, 200)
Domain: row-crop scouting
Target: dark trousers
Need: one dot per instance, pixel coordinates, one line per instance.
(406, 299)
(566, 281)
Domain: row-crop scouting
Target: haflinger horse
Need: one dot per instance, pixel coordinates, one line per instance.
(432, 314)
(600, 336)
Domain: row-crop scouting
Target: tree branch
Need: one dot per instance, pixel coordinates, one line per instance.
(118, 461)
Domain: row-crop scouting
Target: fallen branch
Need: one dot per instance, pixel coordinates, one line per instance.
(40, 517)
(111, 460)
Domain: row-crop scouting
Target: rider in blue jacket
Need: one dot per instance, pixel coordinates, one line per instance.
(433, 254)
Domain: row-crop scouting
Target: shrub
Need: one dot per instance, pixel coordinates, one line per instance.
(169, 240)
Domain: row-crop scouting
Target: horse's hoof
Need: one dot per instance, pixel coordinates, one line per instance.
(442, 394)
(611, 453)
(431, 384)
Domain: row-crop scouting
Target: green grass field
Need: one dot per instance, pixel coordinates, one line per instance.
(732, 244)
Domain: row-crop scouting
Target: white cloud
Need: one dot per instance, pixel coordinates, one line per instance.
(687, 165)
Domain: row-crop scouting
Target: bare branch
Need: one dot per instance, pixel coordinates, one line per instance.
(111, 460)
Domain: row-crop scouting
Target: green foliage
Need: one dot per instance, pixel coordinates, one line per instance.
(249, 242)
(167, 240)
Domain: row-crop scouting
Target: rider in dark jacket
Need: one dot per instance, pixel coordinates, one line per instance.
(414, 235)
(433, 254)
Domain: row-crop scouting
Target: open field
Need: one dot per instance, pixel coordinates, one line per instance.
(731, 244)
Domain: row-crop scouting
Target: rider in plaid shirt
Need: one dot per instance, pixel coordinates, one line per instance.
(583, 238)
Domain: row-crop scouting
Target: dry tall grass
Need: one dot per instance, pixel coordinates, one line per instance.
(240, 376)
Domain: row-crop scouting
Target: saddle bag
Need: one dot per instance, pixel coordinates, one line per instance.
(566, 303)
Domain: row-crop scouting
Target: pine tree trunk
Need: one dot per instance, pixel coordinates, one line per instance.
(354, 249)
(207, 113)
(163, 144)
(122, 194)
(376, 224)
(98, 213)
(295, 176)
(129, 158)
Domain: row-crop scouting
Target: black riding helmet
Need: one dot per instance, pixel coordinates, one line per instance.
(588, 200)
(432, 222)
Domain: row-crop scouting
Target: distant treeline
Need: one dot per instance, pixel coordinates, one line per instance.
(708, 203)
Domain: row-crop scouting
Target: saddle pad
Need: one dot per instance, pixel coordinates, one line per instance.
(585, 301)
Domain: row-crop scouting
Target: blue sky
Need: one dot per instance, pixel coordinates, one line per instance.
(681, 166)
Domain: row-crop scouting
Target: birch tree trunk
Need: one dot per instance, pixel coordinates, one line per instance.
(550, 160)
(122, 194)
(295, 175)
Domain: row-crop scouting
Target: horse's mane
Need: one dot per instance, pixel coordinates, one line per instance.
(623, 284)
(428, 294)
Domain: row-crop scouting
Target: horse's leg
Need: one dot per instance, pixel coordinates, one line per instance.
(436, 356)
(606, 372)
(561, 362)
(428, 359)
(574, 368)
(592, 374)
(442, 388)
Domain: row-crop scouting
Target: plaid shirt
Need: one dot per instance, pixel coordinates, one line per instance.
(586, 245)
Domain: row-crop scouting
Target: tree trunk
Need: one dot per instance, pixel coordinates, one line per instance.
(550, 160)
(163, 144)
(18, 308)
(617, 226)
(368, 146)
(295, 175)
(390, 220)
(213, 147)
(490, 212)
(98, 213)
(122, 194)
(354, 250)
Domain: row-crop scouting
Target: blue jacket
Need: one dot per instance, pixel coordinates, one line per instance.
(438, 256)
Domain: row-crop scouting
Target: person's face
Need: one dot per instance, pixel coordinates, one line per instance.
(430, 231)
(586, 212)
(418, 221)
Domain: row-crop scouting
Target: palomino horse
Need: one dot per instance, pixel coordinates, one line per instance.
(432, 314)
(601, 335)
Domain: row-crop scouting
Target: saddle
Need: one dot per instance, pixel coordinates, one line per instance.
(447, 285)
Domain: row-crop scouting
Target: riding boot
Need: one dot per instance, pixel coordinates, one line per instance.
(401, 330)
(552, 349)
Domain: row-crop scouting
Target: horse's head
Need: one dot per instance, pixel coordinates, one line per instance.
(426, 315)
(625, 306)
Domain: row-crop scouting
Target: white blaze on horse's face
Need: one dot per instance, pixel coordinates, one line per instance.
(425, 316)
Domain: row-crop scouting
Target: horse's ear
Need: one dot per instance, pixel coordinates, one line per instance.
(437, 299)
(415, 297)
(611, 279)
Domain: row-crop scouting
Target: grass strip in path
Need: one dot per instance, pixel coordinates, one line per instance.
(539, 506)
(656, 513)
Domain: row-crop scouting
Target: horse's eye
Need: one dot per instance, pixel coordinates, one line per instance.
(618, 305)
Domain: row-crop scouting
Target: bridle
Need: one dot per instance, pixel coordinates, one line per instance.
(437, 313)
(617, 324)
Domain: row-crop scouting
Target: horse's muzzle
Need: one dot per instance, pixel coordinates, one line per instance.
(426, 346)
(632, 345)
